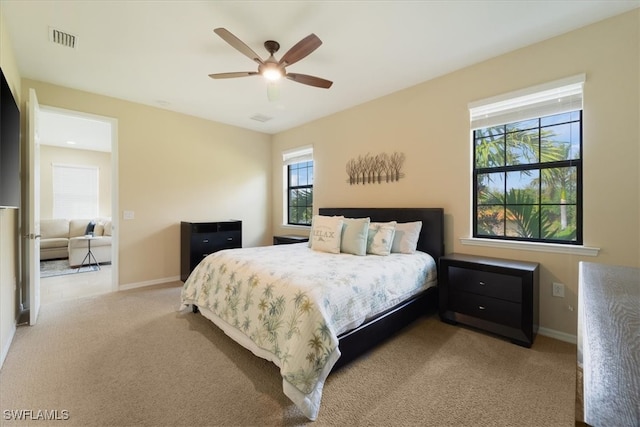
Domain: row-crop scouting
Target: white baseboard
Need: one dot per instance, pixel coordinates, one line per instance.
(7, 345)
(148, 283)
(562, 336)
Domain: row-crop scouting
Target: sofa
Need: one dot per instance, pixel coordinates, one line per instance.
(64, 238)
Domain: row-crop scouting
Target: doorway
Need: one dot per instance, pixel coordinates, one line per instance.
(77, 147)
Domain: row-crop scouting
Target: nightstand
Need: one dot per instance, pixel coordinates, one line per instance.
(496, 295)
(285, 240)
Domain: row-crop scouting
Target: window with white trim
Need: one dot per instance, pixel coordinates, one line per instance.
(75, 191)
(527, 164)
(298, 170)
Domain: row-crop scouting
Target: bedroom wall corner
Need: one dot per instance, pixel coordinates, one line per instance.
(9, 234)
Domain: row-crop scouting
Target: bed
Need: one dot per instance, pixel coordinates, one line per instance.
(318, 311)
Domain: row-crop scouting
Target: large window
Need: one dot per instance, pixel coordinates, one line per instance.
(527, 173)
(75, 191)
(299, 185)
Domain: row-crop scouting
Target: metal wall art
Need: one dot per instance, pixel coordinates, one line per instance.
(375, 169)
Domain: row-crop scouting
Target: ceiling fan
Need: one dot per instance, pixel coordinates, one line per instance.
(272, 69)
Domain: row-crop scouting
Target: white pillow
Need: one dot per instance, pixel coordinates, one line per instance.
(405, 241)
(326, 233)
(107, 228)
(98, 230)
(354, 236)
(380, 237)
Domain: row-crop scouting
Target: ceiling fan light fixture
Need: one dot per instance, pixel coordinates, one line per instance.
(272, 69)
(272, 72)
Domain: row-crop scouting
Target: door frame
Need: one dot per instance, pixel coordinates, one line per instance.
(113, 122)
(32, 218)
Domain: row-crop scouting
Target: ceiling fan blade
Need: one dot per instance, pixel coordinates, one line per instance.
(238, 44)
(300, 50)
(232, 75)
(309, 80)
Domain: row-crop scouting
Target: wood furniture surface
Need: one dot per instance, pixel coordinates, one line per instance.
(199, 239)
(374, 331)
(289, 238)
(496, 295)
(609, 344)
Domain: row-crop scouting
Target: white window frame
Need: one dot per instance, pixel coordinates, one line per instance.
(289, 157)
(550, 98)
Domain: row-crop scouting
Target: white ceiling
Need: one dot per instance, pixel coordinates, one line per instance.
(160, 53)
(62, 129)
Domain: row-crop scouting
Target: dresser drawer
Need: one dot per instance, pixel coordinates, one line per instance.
(228, 240)
(486, 283)
(204, 243)
(487, 308)
(207, 243)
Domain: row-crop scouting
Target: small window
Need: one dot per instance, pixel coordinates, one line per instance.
(298, 165)
(527, 173)
(75, 191)
(300, 191)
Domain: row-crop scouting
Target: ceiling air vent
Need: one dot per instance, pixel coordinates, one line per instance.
(62, 38)
(260, 118)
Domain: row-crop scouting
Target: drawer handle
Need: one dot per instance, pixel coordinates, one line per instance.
(482, 283)
(229, 239)
(205, 241)
(481, 307)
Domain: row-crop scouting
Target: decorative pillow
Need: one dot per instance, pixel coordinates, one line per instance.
(326, 232)
(90, 227)
(354, 236)
(98, 230)
(380, 237)
(107, 228)
(405, 241)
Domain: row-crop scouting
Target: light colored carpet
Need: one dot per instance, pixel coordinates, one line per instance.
(130, 359)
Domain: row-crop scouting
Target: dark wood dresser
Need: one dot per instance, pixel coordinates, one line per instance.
(497, 295)
(199, 239)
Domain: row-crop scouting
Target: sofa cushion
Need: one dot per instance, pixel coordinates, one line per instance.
(107, 228)
(98, 230)
(54, 228)
(77, 227)
(55, 242)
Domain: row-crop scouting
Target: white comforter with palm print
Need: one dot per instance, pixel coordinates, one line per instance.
(288, 304)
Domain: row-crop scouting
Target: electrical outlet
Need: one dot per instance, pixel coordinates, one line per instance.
(558, 289)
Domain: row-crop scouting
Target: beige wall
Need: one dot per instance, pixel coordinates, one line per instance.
(173, 167)
(9, 267)
(430, 124)
(50, 155)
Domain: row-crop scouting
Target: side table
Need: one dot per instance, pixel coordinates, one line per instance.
(89, 255)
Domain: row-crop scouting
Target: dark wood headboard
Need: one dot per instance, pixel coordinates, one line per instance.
(431, 238)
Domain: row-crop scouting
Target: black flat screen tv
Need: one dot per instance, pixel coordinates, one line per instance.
(9, 148)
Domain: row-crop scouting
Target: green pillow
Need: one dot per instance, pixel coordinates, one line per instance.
(354, 236)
